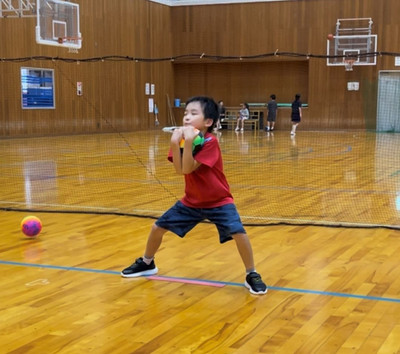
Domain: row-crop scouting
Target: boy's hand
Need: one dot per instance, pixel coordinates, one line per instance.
(177, 136)
(190, 132)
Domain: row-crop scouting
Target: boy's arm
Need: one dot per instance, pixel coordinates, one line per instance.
(183, 163)
(189, 164)
(176, 151)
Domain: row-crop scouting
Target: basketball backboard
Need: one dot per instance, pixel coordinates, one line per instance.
(353, 40)
(58, 24)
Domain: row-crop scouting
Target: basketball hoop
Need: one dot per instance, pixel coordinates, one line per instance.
(57, 23)
(67, 41)
(348, 64)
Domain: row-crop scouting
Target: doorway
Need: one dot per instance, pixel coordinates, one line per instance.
(388, 115)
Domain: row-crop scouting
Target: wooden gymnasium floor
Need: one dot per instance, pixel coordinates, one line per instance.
(332, 289)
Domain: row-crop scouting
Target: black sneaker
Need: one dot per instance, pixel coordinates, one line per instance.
(139, 268)
(255, 284)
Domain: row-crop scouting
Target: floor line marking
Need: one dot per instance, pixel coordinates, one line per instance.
(204, 282)
(187, 281)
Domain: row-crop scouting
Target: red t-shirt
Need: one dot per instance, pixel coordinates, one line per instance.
(207, 187)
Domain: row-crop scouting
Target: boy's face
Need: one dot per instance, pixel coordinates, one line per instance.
(194, 116)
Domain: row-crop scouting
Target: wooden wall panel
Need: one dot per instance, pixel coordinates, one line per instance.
(292, 26)
(114, 96)
(244, 82)
(113, 92)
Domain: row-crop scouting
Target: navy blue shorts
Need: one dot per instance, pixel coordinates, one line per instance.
(180, 219)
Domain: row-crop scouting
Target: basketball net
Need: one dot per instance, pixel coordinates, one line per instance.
(73, 40)
(348, 64)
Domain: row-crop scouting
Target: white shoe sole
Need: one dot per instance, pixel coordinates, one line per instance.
(246, 284)
(141, 274)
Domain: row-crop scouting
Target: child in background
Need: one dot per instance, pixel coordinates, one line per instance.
(272, 110)
(296, 114)
(221, 111)
(244, 113)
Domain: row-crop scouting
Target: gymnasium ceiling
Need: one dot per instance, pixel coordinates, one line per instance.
(207, 2)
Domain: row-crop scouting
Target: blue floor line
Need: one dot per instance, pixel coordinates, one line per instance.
(294, 290)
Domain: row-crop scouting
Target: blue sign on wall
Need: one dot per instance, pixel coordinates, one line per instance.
(37, 88)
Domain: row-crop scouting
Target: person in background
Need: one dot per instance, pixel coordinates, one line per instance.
(221, 111)
(296, 113)
(272, 112)
(244, 114)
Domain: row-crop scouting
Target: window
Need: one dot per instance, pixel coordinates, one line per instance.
(37, 88)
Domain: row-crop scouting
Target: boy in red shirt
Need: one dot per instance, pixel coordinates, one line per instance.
(207, 194)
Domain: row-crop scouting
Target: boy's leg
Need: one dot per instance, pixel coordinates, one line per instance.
(246, 252)
(227, 220)
(253, 280)
(179, 220)
(154, 241)
(146, 265)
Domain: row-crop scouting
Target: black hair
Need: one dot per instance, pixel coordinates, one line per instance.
(297, 97)
(273, 96)
(209, 108)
